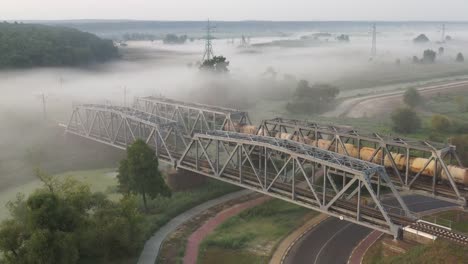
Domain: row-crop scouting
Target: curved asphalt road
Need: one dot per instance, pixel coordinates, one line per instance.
(151, 250)
(333, 240)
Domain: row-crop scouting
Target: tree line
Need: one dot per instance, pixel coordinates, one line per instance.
(29, 45)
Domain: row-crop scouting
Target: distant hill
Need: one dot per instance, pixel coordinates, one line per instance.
(31, 45)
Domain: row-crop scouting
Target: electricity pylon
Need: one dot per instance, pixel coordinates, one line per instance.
(374, 41)
(208, 45)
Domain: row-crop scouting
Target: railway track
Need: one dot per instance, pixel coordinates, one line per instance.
(441, 232)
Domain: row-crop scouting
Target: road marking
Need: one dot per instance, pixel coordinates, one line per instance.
(329, 240)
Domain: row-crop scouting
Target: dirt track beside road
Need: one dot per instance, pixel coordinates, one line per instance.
(377, 105)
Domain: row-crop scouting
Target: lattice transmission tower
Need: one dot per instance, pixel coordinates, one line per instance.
(374, 41)
(208, 55)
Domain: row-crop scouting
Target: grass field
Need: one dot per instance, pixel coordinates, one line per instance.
(457, 220)
(253, 235)
(439, 252)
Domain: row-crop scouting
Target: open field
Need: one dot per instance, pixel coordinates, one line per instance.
(439, 252)
(456, 219)
(253, 235)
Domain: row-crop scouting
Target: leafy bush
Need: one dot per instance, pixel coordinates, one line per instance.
(440, 123)
(312, 99)
(65, 222)
(461, 142)
(217, 64)
(405, 120)
(412, 98)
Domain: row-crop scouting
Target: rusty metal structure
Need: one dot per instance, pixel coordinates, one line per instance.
(120, 126)
(428, 168)
(193, 117)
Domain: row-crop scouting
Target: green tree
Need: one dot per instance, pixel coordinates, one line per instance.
(31, 45)
(412, 97)
(64, 222)
(139, 173)
(421, 39)
(217, 64)
(12, 237)
(313, 99)
(174, 39)
(405, 120)
(460, 57)
(440, 123)
(429, 56)
(461, 142)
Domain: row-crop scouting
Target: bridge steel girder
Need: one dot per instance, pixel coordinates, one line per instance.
(193, 117)
(120, 126)
(403, 178)
(257, 163)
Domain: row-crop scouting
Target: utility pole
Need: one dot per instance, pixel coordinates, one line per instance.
(43, 98)
(125, 96)
(208, 55)
(374, 41)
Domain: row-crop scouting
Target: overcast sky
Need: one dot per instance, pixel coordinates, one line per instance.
(236, 9)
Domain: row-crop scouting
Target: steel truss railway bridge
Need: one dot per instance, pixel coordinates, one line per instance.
(190, 137)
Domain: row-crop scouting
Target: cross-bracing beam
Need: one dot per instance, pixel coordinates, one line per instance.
(406, 160)
(258, 162)
(193, 117)
(120, 126)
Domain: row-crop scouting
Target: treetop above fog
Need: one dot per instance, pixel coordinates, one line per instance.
(421, 39)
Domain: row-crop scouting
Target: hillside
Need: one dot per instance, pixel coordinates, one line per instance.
(31, 45)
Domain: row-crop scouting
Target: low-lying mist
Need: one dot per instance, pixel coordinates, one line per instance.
(267, 74)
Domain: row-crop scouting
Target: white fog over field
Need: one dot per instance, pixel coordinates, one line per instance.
(153, 68)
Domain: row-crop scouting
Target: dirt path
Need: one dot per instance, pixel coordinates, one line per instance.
(375, 105)
(194, 241)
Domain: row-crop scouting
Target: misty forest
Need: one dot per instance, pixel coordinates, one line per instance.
(68, 199)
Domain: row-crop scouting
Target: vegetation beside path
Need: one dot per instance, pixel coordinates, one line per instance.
(439, 252)
(253, 235)
(104, 181)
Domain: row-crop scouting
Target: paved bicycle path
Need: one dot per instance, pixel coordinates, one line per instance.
(152, 246)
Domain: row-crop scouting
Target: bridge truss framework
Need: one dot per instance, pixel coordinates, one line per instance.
(258, 162)
(193, 117)
(403, 178)
(120, 126)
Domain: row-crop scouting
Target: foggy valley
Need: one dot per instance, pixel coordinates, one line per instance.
(301, 71)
